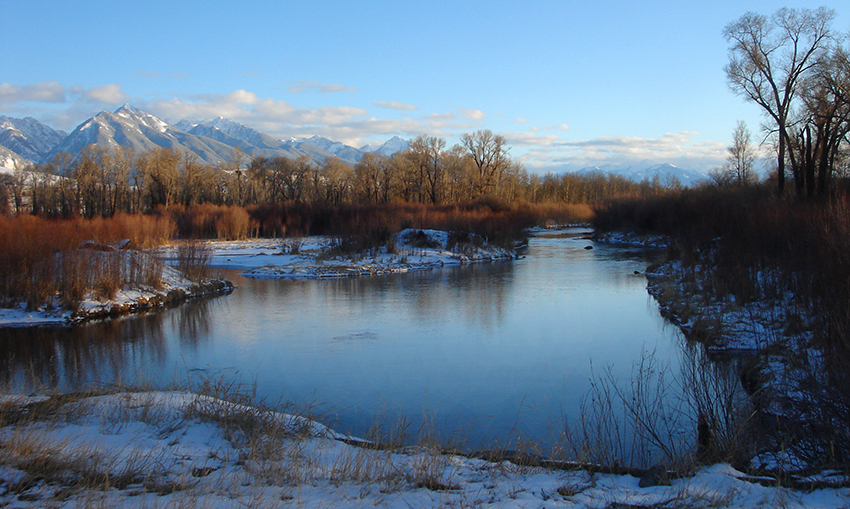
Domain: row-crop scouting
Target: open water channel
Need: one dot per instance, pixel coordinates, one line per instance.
(483, 352)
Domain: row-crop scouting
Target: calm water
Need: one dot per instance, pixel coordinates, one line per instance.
(478, 350)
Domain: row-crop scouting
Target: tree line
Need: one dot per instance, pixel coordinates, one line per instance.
(100, 182)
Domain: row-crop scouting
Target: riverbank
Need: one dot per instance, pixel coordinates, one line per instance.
(173, 288)
(318, 257)
(770, 339)
(178, 449)
(322, 257)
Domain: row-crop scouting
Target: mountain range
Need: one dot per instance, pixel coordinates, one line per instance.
(27, 141)
(647, 170)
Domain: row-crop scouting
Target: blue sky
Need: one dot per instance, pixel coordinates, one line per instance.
(565, 83)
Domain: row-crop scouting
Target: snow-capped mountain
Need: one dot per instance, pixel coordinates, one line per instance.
(27, 141)
(130, 127)
(344, 152)
(647, 170)
(388, 148)
(252, 141)
(9, 161)
(28, 138)
(236, 130)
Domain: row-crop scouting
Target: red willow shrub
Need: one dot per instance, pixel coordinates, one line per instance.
(31, 271)
(500, 222)
(208, 221)
(40, 258)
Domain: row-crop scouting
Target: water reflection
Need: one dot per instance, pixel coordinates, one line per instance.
(481, 349)
(125, 350)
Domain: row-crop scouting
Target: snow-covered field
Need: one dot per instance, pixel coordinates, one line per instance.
(176, 449)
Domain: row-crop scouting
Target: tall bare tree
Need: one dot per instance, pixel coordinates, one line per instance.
(825, 119)
(767, 59)
(740, 157)
(489, 153)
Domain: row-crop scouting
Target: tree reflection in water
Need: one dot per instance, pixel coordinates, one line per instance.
(117, 351)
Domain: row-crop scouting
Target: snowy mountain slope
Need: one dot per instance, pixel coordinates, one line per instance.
(647, 170)
(211, 128)
(388, 148)
(130, 127)
(28, 138)
(346, 153)
(9, 160)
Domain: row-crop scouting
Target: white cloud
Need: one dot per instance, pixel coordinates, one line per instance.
(315, 86)
(557, 127)
(45, 92)
(472, 114)
(110, 94)
(676, 148)
(394, 105)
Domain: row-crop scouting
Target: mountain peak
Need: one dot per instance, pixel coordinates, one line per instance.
(128, 108)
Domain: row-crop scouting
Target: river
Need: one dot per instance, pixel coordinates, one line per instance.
(475, 354)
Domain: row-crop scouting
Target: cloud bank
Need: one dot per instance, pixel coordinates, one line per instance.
(539, 148)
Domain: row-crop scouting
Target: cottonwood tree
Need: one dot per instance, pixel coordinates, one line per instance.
(158, 176)
(769, 56)
(371, 178)
(489, 153)
(740, 158)
(824, 120)
(333, 181)
(426, 154)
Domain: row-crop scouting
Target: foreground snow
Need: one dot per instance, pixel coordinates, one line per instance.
(320, 257)
(176, 449)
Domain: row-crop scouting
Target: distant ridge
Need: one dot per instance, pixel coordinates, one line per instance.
(648, 170)
(27, 141)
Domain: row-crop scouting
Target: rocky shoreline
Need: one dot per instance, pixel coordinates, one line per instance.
(157, 300)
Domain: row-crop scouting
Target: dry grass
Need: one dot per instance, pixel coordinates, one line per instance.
(42, 258)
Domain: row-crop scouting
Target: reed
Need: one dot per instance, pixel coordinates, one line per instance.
(43, 260)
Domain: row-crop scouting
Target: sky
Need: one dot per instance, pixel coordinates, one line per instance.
(568, 84)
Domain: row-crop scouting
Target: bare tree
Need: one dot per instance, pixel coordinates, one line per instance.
(370, 177)
(825, 120)
(426, 153)
(740, 157)
(767, 59)
(489, 152)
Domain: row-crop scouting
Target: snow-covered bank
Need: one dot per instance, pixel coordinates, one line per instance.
(176, 449)
(631, 238)
(295, 258)
(325, 257)
(174, 287)
(772, 339)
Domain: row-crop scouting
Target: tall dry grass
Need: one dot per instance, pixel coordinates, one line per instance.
(501, 222)
(42, 259)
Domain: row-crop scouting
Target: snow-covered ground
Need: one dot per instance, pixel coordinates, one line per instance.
(176, 449)
(318, 257)
(174, 286)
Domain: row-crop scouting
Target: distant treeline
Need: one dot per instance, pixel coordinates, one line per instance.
(103, 183)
